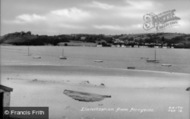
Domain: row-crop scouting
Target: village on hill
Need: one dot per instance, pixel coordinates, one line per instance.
(162, 40)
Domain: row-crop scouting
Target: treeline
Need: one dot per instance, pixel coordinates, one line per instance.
(27, 38)
(150, 40)
(160, 39)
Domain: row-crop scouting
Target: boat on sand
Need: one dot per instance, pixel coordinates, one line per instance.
(85, 96)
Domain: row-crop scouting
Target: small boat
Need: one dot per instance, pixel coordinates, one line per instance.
(188, 89)
(29, 54)
(131, 67)
(62, 57)
(167, 65)
(37, 57)
(84, 96)
(98, 61)
(143, 58)
(152, 61)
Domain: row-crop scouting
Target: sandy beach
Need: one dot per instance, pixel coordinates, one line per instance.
(131, 91)
(137, 94)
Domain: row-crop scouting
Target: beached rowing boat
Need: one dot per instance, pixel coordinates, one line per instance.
(84, 96)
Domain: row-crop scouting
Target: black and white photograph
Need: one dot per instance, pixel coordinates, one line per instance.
(95, 59)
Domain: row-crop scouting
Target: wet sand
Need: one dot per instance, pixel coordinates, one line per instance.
(134, 94)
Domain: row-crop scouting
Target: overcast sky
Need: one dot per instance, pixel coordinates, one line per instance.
(54, 17)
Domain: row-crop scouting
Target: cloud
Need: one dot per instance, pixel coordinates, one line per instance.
(68, 18)
(101, 5)
(66, 25)
(27, 18)
(136, 9)
(118, 27)
(182, 23)
(78, 18)
(133, 9)
(71, 14)
(110, 27)
(94, 16)
(137, 26)
(142, 5)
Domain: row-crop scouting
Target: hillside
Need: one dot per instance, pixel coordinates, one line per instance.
(176, 40)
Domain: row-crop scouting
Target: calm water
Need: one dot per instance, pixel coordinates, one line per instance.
(112, 57)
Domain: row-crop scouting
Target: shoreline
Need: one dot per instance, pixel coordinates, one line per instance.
(99, 67)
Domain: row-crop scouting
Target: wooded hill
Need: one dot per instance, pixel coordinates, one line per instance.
(176, 40)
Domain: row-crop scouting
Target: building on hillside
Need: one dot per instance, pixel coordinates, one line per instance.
(119, 43)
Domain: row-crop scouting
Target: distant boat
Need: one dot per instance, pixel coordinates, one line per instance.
(62, 57)
(188, 89)
(143, 58)
(153, 60)
(29, 51)
(36, 57)
(131, 67)
(167, 65)
(98, 61)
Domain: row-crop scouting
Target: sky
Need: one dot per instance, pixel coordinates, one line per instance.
(54, 17)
